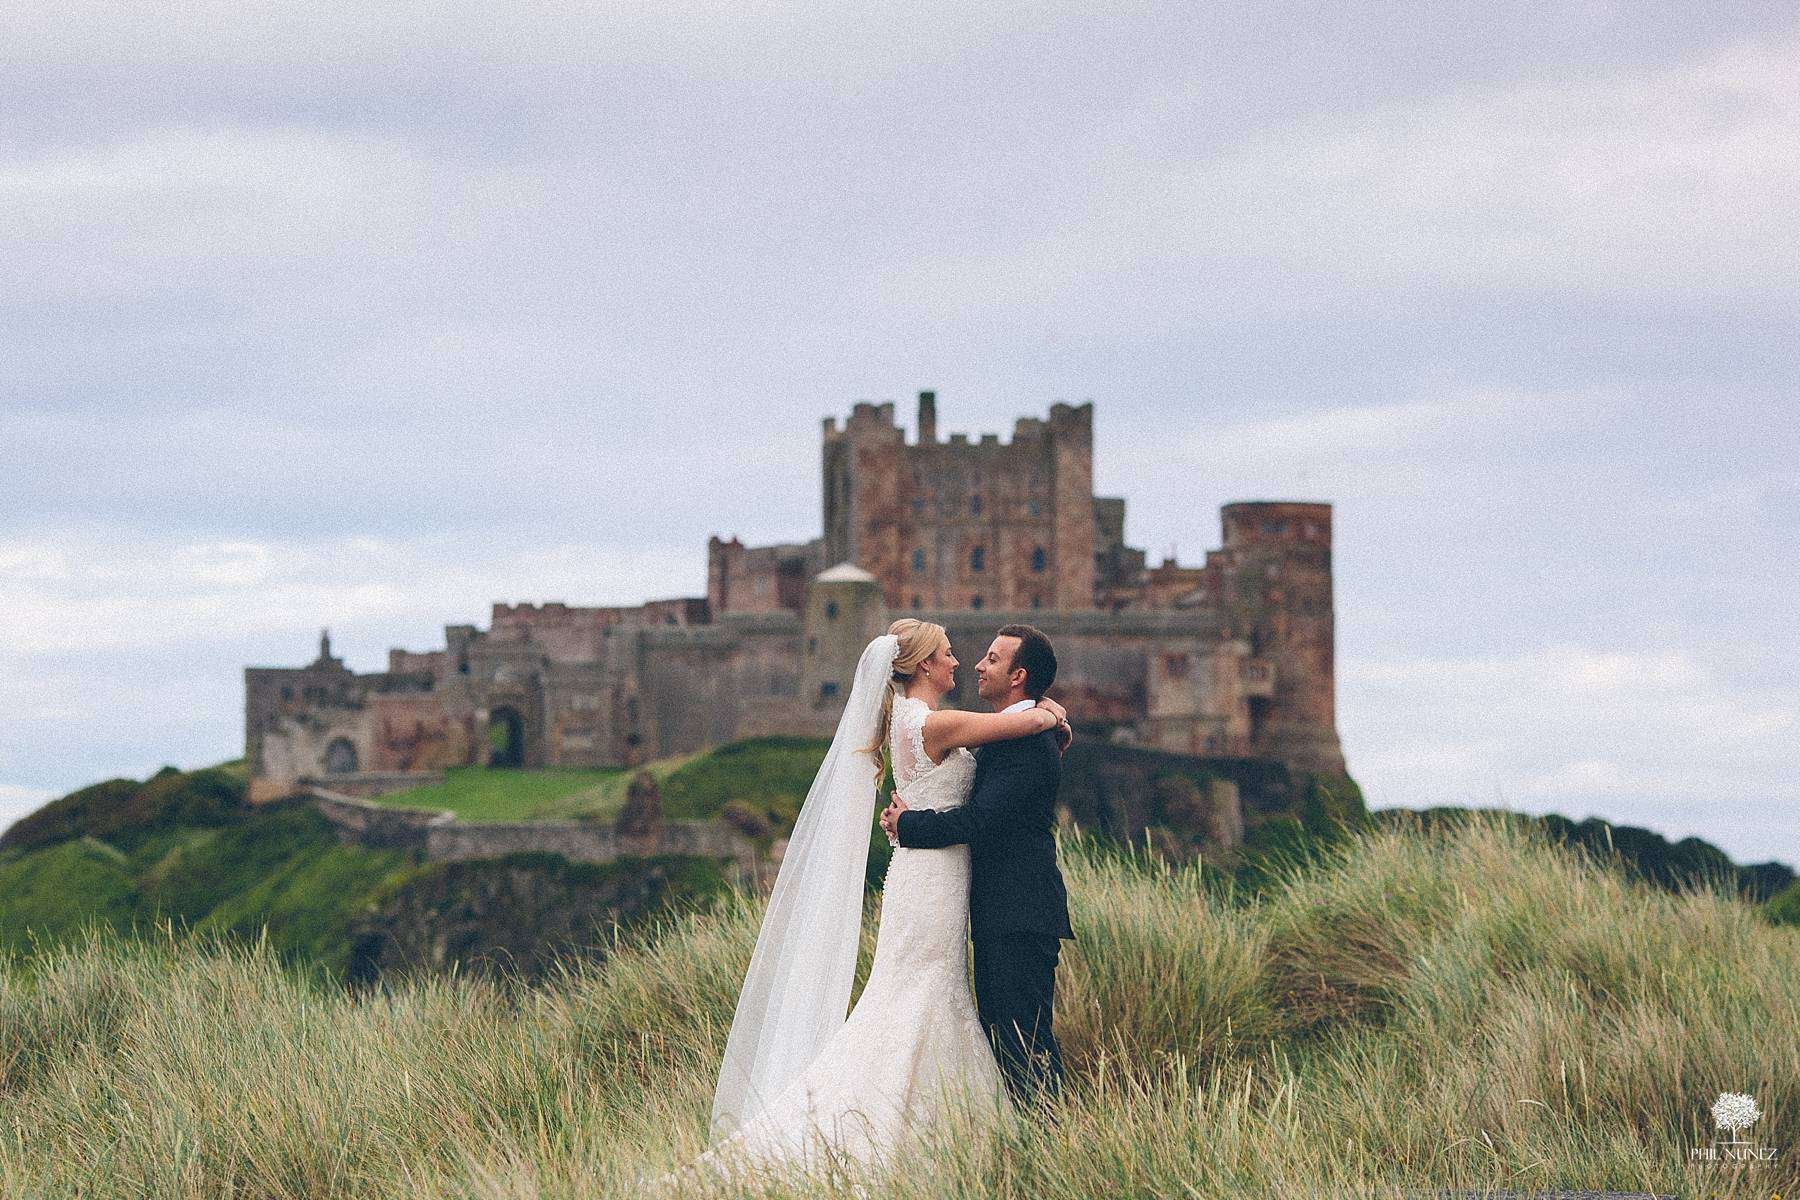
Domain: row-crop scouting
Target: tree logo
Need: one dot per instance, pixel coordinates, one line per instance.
(1733, 1112)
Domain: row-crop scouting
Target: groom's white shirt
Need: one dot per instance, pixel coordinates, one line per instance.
(1020, 706)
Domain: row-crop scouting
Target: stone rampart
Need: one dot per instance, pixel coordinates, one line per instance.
(441, 837)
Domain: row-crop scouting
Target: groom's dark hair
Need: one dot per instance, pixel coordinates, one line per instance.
(1035, 655)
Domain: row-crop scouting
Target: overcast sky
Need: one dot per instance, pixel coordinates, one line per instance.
(371, 315)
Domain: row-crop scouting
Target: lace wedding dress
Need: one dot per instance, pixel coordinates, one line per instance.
(913, 1035)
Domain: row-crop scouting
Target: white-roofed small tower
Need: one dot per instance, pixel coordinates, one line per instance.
(844, 611)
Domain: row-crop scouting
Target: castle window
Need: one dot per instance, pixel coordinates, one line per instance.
(1039, 560)
(918, 504)
(631, 709)
(1175, 665)
(831, 610)
(1037, 602)
(812, 645)
(918, 560)
(974, 506)
(978, 558)
(1274, 526)
(287, 693)
(974, 601)
(1032, 507)
(916, 602)
(828, 689)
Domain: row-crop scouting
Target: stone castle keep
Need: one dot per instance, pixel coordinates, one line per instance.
(1229, 658)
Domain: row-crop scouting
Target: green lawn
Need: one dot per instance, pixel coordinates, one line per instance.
(771, 772)
(513, 794)
(765, 773)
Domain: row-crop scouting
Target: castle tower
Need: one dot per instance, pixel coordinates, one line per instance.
(863, 466)
(960, 523)
(1071, 438)
(844, 612)
(1276, 594)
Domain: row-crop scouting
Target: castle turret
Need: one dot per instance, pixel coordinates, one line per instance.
(862, 473)
(326, 660)
(927, 418)
(1276, 595)
(845, 610)
(1072, 501)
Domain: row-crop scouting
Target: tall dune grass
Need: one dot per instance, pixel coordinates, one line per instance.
(1465, 1007)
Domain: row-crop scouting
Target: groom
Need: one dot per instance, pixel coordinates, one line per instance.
(1018, 907)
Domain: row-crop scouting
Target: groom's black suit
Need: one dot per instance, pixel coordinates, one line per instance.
(1018, 906)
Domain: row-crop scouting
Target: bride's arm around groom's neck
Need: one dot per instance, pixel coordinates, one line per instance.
(948, 728)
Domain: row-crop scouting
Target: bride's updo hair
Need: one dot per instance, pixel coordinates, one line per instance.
(919, 640)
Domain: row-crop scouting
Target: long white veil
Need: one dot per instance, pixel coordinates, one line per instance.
(796, 993)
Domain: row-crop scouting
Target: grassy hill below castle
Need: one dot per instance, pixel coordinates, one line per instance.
(184, 847)
(1466, 1005)
(1136, 796)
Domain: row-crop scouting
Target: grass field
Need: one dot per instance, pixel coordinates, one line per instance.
(769, 774)
(1461, 1007)
(511, 794)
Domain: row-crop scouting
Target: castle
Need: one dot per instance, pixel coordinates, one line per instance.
(1231, 658)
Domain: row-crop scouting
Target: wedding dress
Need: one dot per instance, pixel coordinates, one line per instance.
(914, 1035)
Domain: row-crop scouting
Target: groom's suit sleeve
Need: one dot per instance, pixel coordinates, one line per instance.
(1004, 786)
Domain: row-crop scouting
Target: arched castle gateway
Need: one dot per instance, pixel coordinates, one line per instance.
(1232, 657)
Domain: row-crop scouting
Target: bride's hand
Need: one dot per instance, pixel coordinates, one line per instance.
(1056, 710)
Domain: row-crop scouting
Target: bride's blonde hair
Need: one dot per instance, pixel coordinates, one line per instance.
(919, 640)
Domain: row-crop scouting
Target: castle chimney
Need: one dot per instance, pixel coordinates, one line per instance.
(324, 645)
(927, 418)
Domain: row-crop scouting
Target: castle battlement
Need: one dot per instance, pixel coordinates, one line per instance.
(878, 420)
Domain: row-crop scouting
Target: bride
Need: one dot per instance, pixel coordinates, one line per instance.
(801, 1084)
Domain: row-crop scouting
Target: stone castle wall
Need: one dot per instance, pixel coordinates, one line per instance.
(440, 837)
(1233, 657)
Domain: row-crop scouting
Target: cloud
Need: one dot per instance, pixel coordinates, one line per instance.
(16, 802)
(136, 217)
(1659, 736)
(1342, 451)
(1663, 178)
(1641, 181)
(121, 590)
